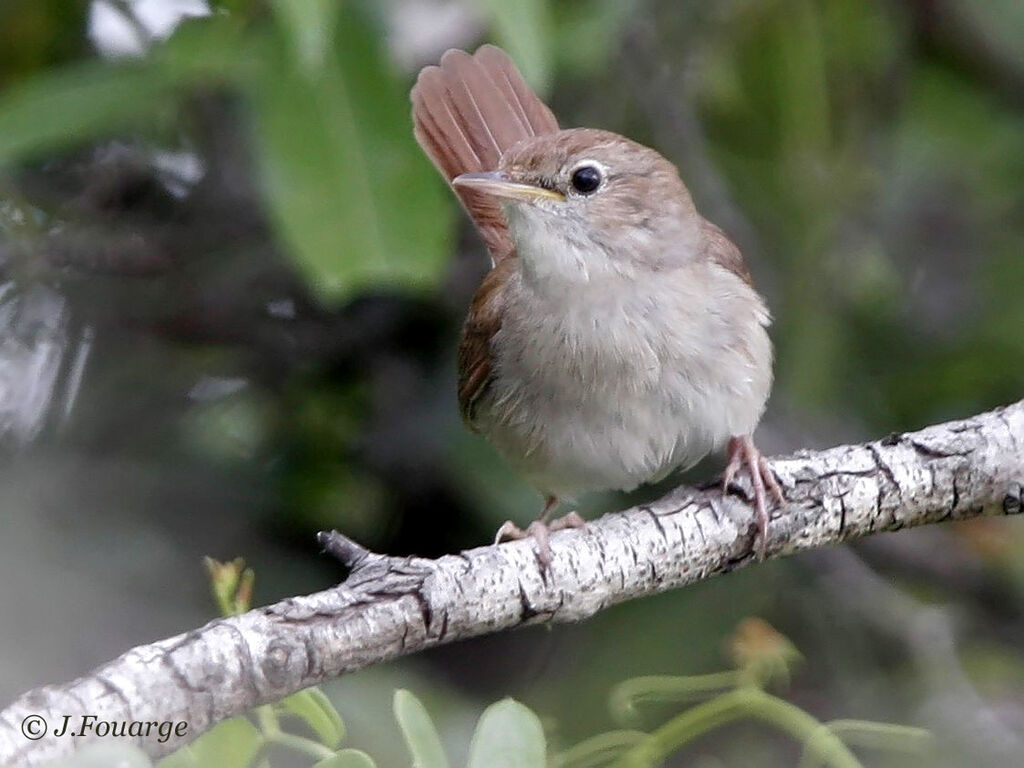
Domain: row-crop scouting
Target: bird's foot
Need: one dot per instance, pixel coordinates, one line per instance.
(743, 454)
(540, 530)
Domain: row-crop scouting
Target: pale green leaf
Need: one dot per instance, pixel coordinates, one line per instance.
(418, 730)
(347, 758)
(600, 23)
(181, 758)
(312, 706)
(349, 191)
(509, 735)
(310, 28)
(231, 744)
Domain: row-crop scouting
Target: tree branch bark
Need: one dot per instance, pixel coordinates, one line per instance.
(391, 606)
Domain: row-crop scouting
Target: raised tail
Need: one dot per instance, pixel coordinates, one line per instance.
(466, 113)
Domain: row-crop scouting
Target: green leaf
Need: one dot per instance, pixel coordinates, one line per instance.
(524, 29)
(310, 26)
(600, 23)
(181, 758)
(347, 758)
(509, 735)
(73, 105)
(349, 191)
(81, 102)
(231, 744)
(312, 706)
(418, 729)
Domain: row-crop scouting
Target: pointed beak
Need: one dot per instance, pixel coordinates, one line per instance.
(498, 184)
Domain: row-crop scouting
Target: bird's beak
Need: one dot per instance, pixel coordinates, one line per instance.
(498, 184)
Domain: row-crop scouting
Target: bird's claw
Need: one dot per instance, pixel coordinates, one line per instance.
(540, 531)
(743, 454)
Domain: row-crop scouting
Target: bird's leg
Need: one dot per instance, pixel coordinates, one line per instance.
(540, 529)
(744, 454)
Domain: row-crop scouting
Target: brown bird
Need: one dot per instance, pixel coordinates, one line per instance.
(618, 336)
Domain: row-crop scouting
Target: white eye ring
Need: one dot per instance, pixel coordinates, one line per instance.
(587, 177)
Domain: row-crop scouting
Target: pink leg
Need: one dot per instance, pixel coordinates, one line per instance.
(540, 529)
(744, 454)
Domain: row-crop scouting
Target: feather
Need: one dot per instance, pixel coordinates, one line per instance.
(467, 113)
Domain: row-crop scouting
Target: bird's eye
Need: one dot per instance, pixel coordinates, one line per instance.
(586, 179)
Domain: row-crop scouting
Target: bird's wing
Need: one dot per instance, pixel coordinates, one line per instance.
(466, 113)
(724, 252)
(475, 353)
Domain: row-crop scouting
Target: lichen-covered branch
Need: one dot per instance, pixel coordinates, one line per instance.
(390, 606)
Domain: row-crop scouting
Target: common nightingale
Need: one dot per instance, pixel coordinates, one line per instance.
(618, 336)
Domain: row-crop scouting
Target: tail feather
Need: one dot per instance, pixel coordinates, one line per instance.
(469, 111)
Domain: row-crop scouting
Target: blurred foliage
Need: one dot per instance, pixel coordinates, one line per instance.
(510, 735)
(870, 171)
(761, 656)
(351, 191)
(524, 29)
(37, 33)
(232, 585)
(348, 188)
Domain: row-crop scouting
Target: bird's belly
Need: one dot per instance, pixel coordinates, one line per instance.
(572, 424)
(564, 448)
(614, 385)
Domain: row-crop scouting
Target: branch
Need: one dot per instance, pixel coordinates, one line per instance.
(394, 606)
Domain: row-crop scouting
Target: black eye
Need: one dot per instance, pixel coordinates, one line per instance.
(586, 179)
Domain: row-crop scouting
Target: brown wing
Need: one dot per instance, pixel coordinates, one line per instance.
(482, 323)
(724, 252)
(466, 113)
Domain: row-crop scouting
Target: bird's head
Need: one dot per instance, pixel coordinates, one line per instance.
(588, 201)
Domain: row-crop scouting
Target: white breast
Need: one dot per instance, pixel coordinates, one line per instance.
(611, 380)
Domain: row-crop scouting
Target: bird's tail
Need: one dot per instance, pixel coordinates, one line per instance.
(467, 112)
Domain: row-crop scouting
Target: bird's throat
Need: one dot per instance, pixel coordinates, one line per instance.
(559, 254)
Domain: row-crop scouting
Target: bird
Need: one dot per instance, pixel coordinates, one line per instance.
(618, 336)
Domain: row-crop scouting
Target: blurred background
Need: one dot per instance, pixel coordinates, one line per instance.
(232, 289)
